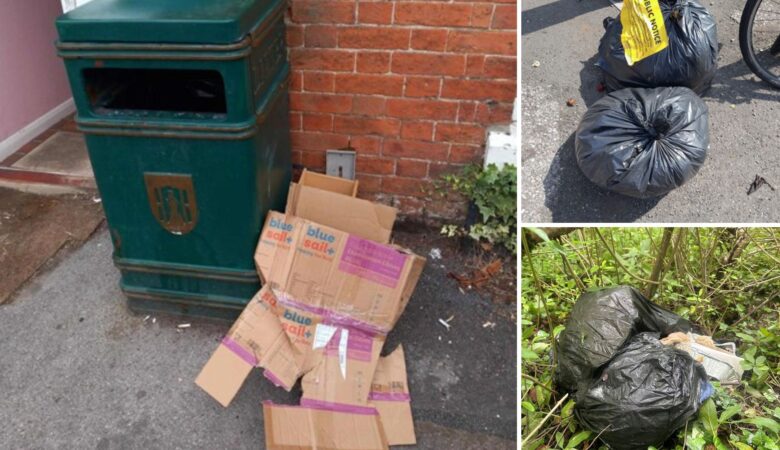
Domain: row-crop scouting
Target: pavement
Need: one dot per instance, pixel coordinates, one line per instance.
(78, 370)
(563, 36)
(33, 228)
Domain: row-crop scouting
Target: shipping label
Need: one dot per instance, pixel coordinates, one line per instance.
(372, 261)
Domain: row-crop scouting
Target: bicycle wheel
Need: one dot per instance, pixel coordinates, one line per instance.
(759, 39)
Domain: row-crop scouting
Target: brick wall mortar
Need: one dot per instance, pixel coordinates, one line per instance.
(412, 91)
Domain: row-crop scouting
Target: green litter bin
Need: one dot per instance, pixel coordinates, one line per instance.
(184, 107)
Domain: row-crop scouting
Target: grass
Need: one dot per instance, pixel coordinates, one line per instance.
(726, 280)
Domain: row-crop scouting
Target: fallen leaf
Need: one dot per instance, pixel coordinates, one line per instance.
(479, 276)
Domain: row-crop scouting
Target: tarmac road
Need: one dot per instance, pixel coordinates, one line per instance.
(78, 370)
(563, 35)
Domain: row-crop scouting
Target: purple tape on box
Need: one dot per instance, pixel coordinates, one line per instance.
(240, 351)
(372, 261)
(389, 396)
(330, 317)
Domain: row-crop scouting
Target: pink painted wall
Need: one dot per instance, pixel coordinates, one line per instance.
(32, 77)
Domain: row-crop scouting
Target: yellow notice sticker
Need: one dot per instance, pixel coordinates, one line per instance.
(644, 32)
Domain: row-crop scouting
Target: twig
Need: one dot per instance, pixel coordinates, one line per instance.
(581, 259)
(761, 305)
(567, 268)
(619, 262)
(597, 436)
(539, 292)
(658, 266)
(538, 382)
(531, 434)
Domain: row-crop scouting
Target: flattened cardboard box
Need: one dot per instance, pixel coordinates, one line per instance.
(287, 342)
(351, 281)
(257, 339)
(329, 285)
(343, 287)
(390, 395)
(282, 339)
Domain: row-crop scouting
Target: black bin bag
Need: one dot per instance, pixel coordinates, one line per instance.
(600, 323)
(690, 59)
(643, 142)
(643, 395)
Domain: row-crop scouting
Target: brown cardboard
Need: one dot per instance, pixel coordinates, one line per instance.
(390, 395)
(353, 281)
(328, 183)
(341, 375)
(359, 217)
(223, 375)
(256, 339)
(329, 298)
(296, 427)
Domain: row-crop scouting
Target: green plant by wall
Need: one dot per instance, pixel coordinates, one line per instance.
(494, 192)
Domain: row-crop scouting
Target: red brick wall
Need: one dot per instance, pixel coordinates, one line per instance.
(411, 85)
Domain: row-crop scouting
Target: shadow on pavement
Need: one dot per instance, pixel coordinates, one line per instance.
(571, 197)
(731, 86)
(590, 77)
(545, 16)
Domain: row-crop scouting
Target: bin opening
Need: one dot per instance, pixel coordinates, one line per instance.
(112, 90)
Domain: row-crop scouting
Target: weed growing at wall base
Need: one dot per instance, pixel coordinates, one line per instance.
(493, 191)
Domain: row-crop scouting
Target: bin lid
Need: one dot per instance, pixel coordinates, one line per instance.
(163, 21)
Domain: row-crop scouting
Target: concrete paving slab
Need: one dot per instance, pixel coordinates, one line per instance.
(563, 36)
(65, 152)
(78, 370)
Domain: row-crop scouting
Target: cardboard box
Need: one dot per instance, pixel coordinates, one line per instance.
(323, 199)
(329, 298)
(356, 290)
(351, 281)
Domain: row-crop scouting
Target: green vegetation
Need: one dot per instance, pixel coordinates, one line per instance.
(726, 280)
(494, 192)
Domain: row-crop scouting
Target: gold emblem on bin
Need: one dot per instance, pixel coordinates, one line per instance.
(172, 201)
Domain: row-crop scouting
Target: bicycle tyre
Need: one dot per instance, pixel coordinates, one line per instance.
(746, 44)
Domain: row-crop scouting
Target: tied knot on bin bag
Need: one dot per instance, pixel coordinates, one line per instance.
(657, 126)
(627, 385)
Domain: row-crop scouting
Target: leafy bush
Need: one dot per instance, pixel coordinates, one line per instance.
(493, 191)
